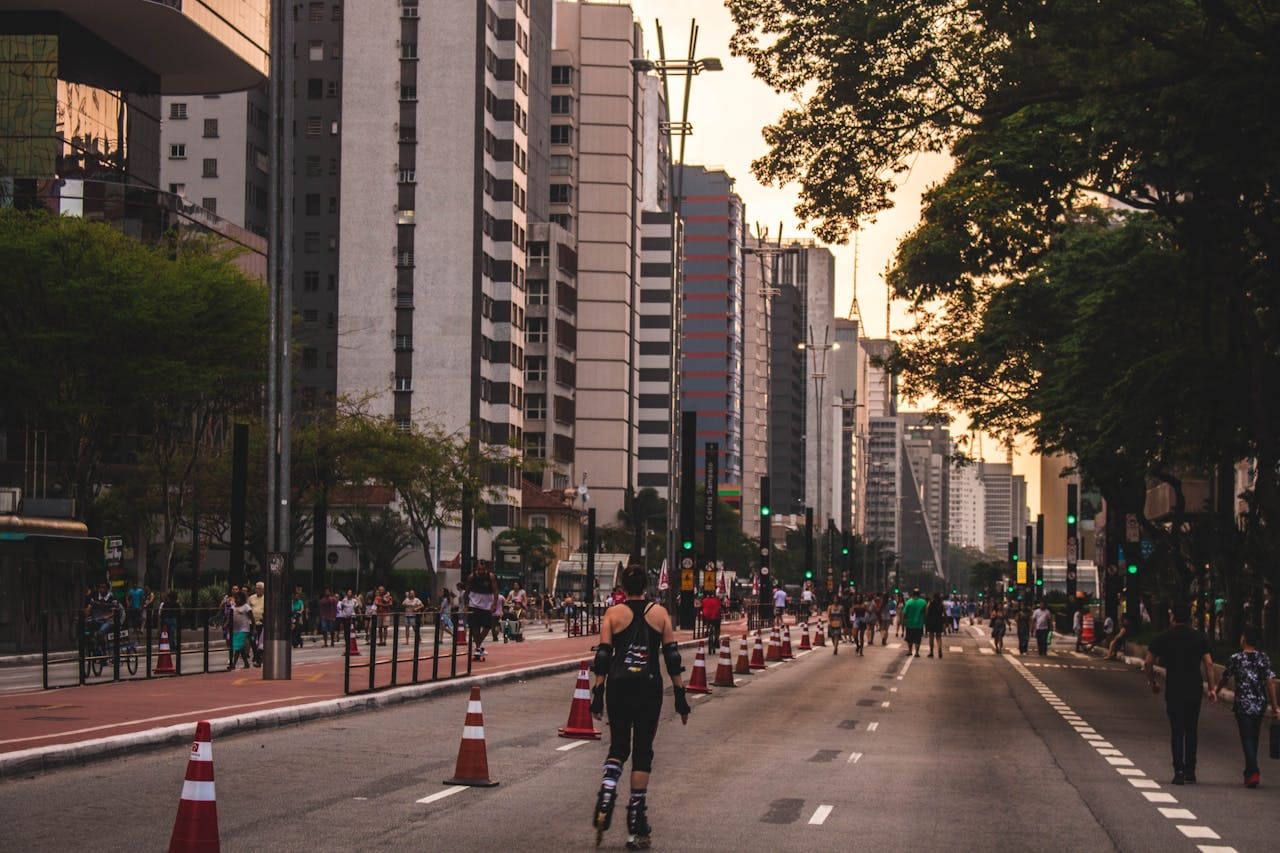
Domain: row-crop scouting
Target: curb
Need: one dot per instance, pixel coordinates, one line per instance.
(40, 759)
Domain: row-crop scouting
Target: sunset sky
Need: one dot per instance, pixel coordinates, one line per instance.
(728, 109)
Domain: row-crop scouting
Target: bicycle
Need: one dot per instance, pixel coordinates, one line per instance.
(101, 649)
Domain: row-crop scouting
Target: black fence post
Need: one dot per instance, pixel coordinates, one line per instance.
(82, 643)
(147, 616)
(435, 646)
(395, 646)
(346, 657)
(206, 646)
(176, 644)
(115, 645)
(44, 649)
(417, 645)
(373, 649)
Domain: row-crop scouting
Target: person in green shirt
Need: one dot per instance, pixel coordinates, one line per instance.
(913, 621)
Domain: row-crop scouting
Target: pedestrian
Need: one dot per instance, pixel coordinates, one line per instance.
(1184, 654)
(412, 609)
(258, 604)
(1022, 619)
(1077, 628)
(859, 613)
(133, 606)
(807, 600)
(936, 621)
(386, 606)
(1042, 620)
(482, 591)
(836, 613)
(1255, 691)
(297, 618)
(635, 637)
(998, 626)
(328, 609)
(779, 606)
(913, 621)
(242, 625)
(711, 610)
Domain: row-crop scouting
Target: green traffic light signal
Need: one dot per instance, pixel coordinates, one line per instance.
(1039, 581)
(844, 551)
(1010, 589)
(764, 510)
(687, 544)
(979, 595)
(1133, 568)
(895, 590)
(808, 575)
(1071, 518)
(1015, 558)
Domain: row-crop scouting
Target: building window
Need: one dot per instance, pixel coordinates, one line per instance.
(211, 128)
(409, 8)
(311, 281)
(177, 189)
(178, 151)
(311, 241)
(315, 88)
(408, 92)
(404, 383)
(404, 343)
(315, 13)
(535, 369)
(310, 317)
(561, 194)
(561, 164)
(337, 11)
(561, 134)
(535, 444)
(409, 50)
(564, 220)
(315, 126)
(178, 110)
(311, 204)
(561, 105)
(407, 176)
(314, 166)
(536, 331)
(310, 358)
(538, 291)
(210, 169)
(210, 204)
(562, 75)
(315, 51)
(331, 89)
(535, 407)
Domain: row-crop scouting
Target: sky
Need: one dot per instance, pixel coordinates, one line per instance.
(728, 110)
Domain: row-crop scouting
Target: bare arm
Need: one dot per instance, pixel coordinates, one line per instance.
(1149, 667)
(1207, 662)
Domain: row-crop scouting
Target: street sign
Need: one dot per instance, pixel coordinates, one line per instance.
(709, 578)
(686, 580)
(1073, 546)
(1131, 530)
(686, 563)
(333, 558)
(1147, 548)
(276, 562)
(1071, 574)
(1022, 571)
(764, 570)
(113, 550)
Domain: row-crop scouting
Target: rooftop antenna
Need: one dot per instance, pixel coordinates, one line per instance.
(855, 313)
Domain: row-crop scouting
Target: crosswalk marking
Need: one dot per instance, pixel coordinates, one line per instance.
(955, 649)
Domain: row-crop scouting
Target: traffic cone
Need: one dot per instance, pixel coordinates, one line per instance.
(698, 678)
(164, 663)
(743, 665)
(196, 828)
(819, 638)
(460, 633)
(786, 644)
(774, 652)
(724, 668)
(473, 762)
(804, 638)
(1086, 628)
(353, 648)
(757, 654)
(580, 725)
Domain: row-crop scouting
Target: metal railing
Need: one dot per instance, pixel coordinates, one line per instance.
(443, 655)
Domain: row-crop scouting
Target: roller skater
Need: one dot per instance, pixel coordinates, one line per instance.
(634, 636)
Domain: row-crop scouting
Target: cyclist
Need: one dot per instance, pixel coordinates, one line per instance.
(100, 609)
(711, 608)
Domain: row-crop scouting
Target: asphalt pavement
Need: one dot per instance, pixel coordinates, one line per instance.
(822, 753)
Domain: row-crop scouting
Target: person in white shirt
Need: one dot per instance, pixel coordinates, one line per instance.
(1042, 621)
(412, 608)
(779, 605)
(806, 598)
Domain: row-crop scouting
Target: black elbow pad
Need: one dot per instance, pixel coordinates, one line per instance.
(671, 654)
(604, 656)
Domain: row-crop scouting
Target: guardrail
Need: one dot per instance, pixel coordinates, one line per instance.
(444, 634)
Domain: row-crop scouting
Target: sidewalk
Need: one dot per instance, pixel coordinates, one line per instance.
(44, 729)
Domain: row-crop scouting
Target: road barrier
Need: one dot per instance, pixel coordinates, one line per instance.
(439, 658)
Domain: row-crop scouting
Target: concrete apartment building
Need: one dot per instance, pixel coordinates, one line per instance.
(787, 394)
(602, 136)
(550, 374)
(967, 518)
(927, 477)
(711, 371)
(757, 296)
(434, 228)
(849, 430)
(657, 346)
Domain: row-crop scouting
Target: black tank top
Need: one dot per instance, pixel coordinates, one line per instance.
(637, 647)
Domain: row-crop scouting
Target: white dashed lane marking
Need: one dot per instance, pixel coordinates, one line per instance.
(854, 758)
(447, 792)
(820, 815)
(1149, 788)
(871, 727)
(569, 746)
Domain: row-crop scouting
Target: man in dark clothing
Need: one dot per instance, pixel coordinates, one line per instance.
(1184, 653)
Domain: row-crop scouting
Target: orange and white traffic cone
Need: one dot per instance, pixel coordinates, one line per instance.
(786, 644)
(460, 633)
(743, 665)
(757, 654)
(804, 638)
(164, 663)
(1086, 628)
(774, 652)
(195, 830)
(698, 678)
(724, 667)
(819, 638)
(580, 725)
(353, 648)
(473, 761)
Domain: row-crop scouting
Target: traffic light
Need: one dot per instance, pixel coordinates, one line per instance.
(1073, 533)
(1071, 518)
(895, 590)
(853, 584)
(845, 551)
(1039, 581)
(808, 574)
(1132, 566)
(686, 545)
(979, 595)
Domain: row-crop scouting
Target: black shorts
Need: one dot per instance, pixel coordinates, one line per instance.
(915, 635)
(480, 618)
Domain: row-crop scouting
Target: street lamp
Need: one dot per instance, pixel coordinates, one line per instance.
(665, 69)
(818, 361)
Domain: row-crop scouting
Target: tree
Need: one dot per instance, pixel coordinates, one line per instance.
(380, 537)
(1114, 337)
(536, 546)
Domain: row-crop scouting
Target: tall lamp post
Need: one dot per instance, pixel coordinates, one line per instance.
(818, 370)
(665, 68)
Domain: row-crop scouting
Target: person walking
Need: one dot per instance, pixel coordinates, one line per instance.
(936, 621)
(328, 608)
(413, 607)
(998, 626)
(1022, 619)
(1255, 695)
(1042, 619)
(482, 596)
(242, 625)
(1184, 654)
(779, 606)
(258, 604)
(635, 638)
(836, 613)
(913, 621)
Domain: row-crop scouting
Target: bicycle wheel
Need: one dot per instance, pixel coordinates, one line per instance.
(131, 661)
(97, 663)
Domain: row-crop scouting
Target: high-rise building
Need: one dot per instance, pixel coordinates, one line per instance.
(602, 136)
(756, 298)
(927, 478)
(849, 378)
(787, 394)
(968, 507)
(884, 484)
(655, 346)
(551, 340)
(432, 307)
(1000, 522)
(811, 269)
(711, 342)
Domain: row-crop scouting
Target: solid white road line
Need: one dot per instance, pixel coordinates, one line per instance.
(820, 815)
(569, 746)
(906, 666)
(440, 795)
